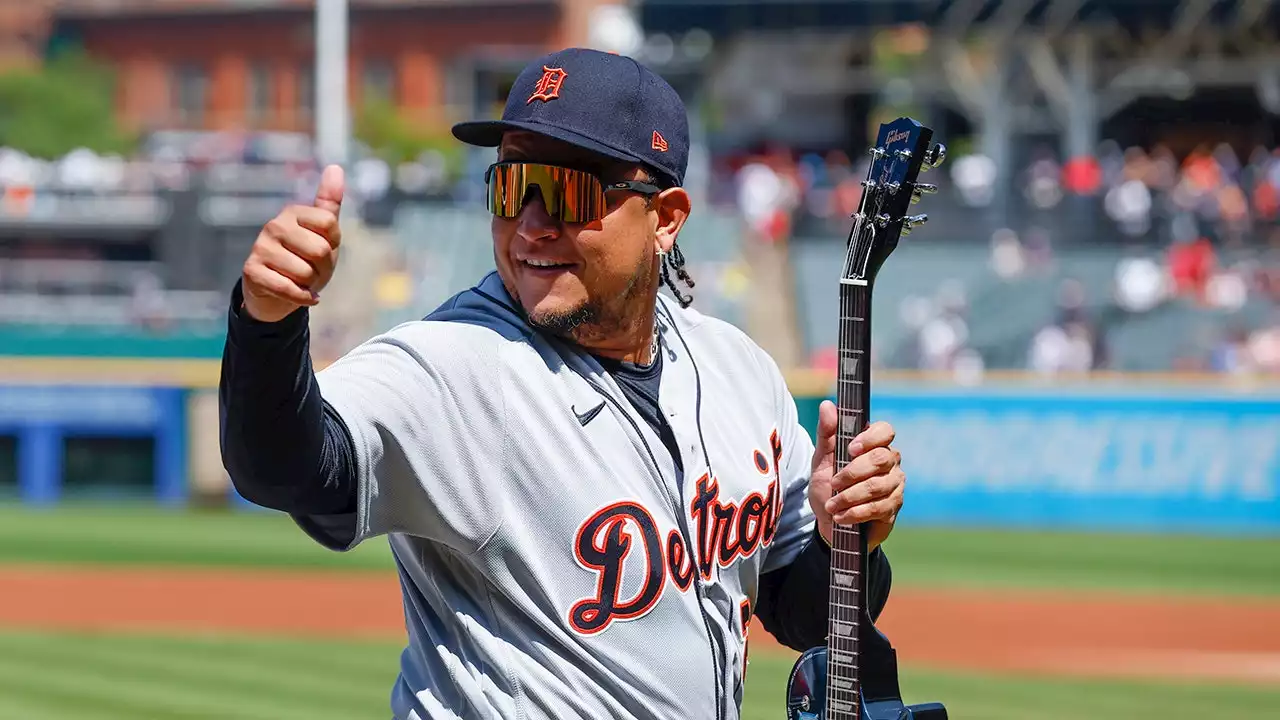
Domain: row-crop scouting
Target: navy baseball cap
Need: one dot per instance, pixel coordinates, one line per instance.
(602, 102)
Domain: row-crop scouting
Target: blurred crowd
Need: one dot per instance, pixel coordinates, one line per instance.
(1212, 193)
(1201, 231)
(277, 164)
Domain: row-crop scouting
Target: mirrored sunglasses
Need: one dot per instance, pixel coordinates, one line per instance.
(573, 196)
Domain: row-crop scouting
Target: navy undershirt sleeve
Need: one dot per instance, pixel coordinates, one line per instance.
(282, 445)
(792, 601)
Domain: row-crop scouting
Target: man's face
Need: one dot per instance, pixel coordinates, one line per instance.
(603, 273)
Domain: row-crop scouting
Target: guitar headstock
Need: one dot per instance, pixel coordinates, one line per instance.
(902, 151)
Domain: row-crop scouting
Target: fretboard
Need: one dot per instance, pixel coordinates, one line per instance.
(848, 583)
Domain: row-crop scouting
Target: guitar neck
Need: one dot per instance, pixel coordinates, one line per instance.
(848, 579)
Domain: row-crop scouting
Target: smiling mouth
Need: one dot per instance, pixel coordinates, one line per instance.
(545, 265)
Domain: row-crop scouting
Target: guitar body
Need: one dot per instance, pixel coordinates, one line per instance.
(807, 695)
(854, 675)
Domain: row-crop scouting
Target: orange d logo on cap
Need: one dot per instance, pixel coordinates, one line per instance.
(548, 87)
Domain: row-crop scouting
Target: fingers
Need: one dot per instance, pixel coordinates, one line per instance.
(280, 259)
(872, 463)
(877, 434)
(292, 261)
(332, 188)
(262, 280)
(295, 255)
(304, 236)
(875, 499)
(872, 485)
(321, 222)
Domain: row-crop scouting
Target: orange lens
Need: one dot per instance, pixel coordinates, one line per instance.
(571, 195)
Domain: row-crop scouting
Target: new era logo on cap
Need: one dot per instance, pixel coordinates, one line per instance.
(602, 102)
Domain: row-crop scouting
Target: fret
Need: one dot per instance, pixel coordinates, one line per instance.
(843, 628)
(843, 594)
(846, 659)
(849, 692)
(849, 365)
(839, 683)
(845, 578)
(849, 421)
(846, 645)
(850, 354)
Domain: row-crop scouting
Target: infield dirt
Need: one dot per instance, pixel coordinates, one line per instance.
(1077, 633)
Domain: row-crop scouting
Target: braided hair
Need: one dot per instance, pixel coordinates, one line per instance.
(674, 259)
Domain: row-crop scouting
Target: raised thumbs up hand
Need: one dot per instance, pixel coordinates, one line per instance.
(295, 254)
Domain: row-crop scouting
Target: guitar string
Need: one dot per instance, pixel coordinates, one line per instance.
(847, 614)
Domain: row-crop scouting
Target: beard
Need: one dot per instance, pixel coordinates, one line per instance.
(565, 323)
(612, 314)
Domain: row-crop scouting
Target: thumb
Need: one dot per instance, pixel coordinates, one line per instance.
(828, 418)
(332, 186)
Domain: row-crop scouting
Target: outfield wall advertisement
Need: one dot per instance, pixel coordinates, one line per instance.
(1086, 460)
(1168, 459)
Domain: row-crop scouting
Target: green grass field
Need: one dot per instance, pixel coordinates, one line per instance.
(59, 676)
(54, 677)
(921, 556)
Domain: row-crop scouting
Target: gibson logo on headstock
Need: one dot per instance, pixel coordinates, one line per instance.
(896, 136)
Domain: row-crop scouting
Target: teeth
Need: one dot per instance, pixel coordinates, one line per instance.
(543, 263)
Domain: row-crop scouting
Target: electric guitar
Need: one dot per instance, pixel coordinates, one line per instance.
(855, 675)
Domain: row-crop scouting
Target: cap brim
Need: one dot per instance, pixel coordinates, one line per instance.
(488, 133)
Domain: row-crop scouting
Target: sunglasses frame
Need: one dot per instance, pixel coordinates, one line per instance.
(636, 186)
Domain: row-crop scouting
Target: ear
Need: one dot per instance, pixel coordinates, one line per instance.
(672, 208)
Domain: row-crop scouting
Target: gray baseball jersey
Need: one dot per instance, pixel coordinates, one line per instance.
(552, 564)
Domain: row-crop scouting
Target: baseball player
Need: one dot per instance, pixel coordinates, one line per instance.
(589, 488)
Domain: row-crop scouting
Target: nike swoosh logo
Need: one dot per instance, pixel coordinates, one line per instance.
(588, 416)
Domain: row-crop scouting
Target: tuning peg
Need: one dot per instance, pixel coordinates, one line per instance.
(934, 156)
(910, 222)
(920, 190)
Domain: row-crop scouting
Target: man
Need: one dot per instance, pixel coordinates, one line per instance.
(589, 489)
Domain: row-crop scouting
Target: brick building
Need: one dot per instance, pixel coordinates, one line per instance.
(237, 64)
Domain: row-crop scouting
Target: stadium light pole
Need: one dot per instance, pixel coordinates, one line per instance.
(332, 113)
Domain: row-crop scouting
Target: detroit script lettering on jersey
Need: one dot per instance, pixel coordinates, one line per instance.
(724, 531)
